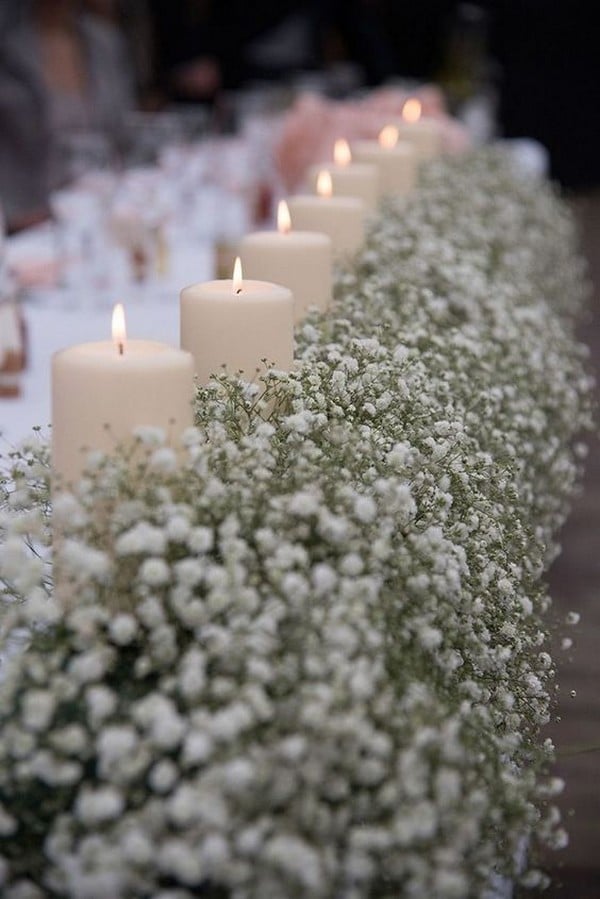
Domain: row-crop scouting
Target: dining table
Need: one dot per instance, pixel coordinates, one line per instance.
(58, 316)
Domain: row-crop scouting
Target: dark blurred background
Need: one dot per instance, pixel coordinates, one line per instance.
(65, 63)
(539, 59)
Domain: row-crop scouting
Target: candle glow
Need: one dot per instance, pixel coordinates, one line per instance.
(119, 331)
(324, 184)
(342, 154)
(237, 276)
(301, 260)
(101, 394)
(224, 330)
(388, 137)
(412, 110)
(284, 221)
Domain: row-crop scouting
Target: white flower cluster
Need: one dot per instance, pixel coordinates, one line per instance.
(312, 661)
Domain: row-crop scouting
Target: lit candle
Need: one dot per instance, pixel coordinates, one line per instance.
(236, 324)
(342, 218)
(300, 260)
(349, 179)
(103, 391)
(396, 162)
(422, 134)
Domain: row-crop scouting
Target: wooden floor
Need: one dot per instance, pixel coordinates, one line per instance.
(575, 585)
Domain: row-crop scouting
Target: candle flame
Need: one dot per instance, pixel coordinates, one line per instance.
(412, 110)
(119, 332)
(388, 137)
(324, 184)
(237, 275)
(284, 222)
(341, 152)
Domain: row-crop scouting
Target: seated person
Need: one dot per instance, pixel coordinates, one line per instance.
(61, 72)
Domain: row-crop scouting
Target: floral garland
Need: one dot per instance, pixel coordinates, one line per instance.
(311, 659)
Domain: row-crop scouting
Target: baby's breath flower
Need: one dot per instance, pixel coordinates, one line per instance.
(154, 572)
(94, 807)
(123, 628)
(307, 654)
(150, 436)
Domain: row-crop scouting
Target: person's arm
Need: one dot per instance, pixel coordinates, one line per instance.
(23, 139)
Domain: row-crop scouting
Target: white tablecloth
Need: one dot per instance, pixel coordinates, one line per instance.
(57, 319)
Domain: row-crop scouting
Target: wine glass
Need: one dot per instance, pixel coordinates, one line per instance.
(82, 151)
(78, 220)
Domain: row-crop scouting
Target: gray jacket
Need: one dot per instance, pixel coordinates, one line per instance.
(28, 148)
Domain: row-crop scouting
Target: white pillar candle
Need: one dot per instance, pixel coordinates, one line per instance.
(300, 260)
(237, 324)
(397, 162)
(103, 391)
(423, 134)
(342, 218)
(349, 179)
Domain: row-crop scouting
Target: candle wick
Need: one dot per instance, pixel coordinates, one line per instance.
(239, 290)
(120, 348)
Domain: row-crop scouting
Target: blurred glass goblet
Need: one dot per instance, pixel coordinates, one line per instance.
(79, 232)
(80, 152)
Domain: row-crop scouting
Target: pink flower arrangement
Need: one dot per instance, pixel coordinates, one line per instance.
(311, 127)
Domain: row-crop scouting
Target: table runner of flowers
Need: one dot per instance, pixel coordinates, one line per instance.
(310, 658)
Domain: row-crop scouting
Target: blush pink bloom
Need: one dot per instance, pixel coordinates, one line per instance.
(313, 124)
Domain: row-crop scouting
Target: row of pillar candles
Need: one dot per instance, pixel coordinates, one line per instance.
(103, 391)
